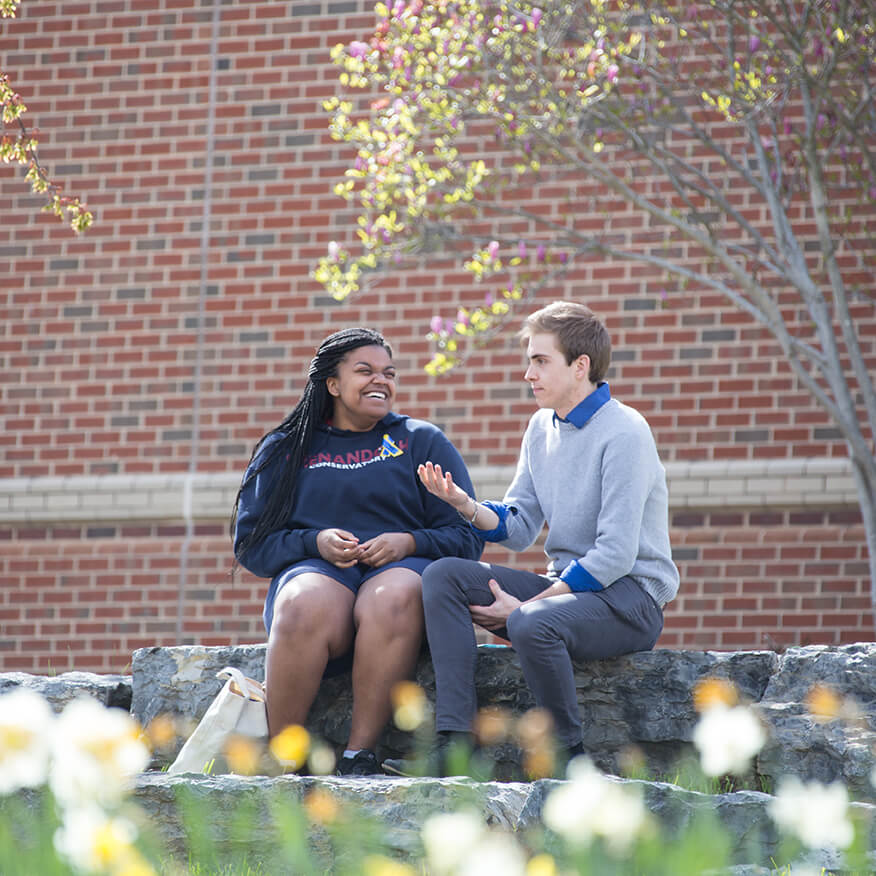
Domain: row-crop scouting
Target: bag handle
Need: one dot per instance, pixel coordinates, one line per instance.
(245, 687)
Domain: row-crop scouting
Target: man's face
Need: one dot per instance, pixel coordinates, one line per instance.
(555, 384)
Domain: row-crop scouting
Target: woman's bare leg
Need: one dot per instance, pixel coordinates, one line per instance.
(389, 632)
(313, 622)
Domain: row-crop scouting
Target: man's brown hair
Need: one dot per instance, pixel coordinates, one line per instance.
(578, 331)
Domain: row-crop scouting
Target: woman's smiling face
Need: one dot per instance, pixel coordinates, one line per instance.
(364, 388)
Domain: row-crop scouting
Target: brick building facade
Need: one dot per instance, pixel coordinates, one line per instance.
(142, 360)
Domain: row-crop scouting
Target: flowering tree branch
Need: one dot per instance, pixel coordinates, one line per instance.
(675, 109)
(20, 147)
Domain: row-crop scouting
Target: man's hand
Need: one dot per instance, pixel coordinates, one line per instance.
(440, 484)
(495, 615)
(388, 547)
(339, 547)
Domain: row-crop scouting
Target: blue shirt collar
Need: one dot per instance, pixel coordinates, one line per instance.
(584, 410)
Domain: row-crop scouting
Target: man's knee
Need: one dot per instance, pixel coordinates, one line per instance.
(443, 576)
(527, 625)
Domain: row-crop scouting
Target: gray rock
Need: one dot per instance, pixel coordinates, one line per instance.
(842, 749)
(243, 813)
(113, 691)
(641, 704)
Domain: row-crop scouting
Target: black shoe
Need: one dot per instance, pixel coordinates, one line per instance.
(450, 755)
(363, 763)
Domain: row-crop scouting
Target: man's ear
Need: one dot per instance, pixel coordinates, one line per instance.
(331, 384)
(582, 366)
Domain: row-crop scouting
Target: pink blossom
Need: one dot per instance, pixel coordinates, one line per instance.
(521, 249)
(536, 16)
(753, 43)
(437, 324)
(540, 252)
(493, 249)
(462, 316)
(611, 73)
(358, 49)
(333, 250)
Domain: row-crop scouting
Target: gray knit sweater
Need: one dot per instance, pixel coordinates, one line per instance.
(602, 491)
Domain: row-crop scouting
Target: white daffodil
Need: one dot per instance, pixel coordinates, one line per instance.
(94, 842)
(495, 852)
(96, 753)
(727, 739)
(590, 805)
(448, 839)
(26, 721)
(817, 814)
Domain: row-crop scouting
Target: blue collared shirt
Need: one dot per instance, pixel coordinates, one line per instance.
(578, 416)
(584, 410)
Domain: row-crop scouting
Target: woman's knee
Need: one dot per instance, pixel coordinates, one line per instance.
(391, 598)
(300, 613)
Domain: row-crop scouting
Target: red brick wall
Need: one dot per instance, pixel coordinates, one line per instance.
(102, 369)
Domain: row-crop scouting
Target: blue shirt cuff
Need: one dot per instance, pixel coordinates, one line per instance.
(579, 579)
(500, 533)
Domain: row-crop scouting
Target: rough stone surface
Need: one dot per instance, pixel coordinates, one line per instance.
(641, 701)
(842, 749)
(113, 691)
(399, 807)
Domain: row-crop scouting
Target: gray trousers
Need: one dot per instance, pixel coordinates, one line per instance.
(547, 635)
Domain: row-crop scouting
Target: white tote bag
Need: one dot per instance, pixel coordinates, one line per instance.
(238, 710)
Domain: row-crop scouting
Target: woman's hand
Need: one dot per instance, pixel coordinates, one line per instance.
(387, 548)
(339, 547)
(440, 484)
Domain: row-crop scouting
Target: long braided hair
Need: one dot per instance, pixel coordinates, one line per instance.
(297, 430)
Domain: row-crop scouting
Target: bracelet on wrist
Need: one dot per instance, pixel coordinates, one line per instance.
(474, 515)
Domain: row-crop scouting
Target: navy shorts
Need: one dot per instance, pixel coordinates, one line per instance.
(352, 578)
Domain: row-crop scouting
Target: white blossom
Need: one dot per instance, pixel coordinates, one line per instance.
(589, 805)
(728, 738)
(496, 852)
(26, 721)
(96, 753)
(448, 839)
(817, 814)
(94, 842)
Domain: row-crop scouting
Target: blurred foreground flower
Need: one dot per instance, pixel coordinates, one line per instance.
(727, 739)
(449, 838)
(380, 865)
(95, 842)
(291, 746)
(96, 752)
(590, 805)
(409, 705)
(321, 806)
(243, 755)
(710, 692)
(817, 814)
(25, 733)
(535, 732)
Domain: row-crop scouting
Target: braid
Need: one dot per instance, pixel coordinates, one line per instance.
(297, 433)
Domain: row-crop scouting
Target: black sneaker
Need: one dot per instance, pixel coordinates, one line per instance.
(363, 763)
(450, 755)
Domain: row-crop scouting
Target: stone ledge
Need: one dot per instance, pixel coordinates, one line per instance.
(641, 702)
(815, 482)
(397, 809)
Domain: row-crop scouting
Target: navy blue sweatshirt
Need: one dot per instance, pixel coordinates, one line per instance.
(365, 483)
